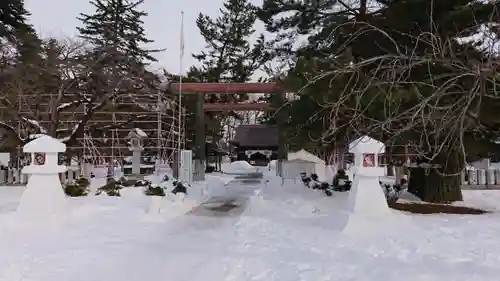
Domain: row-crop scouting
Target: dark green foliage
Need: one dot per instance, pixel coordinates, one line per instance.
(116, 29)
(16, 30)
(231, 55)
(142, 183)
(154, 190)
(78, 188)
(83, 182)
(112, 188)
(127, 182)
(370, 67)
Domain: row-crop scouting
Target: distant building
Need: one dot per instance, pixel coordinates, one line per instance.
(257, 144)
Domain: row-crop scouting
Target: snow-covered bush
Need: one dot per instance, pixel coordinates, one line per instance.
(126, 182)
(154, 190)
(112, 188)
(179, 187)
(142, 183)
(78, 188)
(392, 191)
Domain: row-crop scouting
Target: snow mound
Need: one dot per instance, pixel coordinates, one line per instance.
(407, 196)
(239, 167)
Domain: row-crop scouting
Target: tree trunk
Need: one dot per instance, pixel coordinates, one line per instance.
(442, 184)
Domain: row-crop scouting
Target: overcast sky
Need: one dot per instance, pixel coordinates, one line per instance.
(57, 18)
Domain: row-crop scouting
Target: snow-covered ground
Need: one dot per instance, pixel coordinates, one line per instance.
(286, 233)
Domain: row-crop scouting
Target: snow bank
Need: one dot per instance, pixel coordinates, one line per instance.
(239, 167)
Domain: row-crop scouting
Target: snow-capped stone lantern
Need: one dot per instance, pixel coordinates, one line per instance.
(366, 202)
(44, 194)
(135, 138)
(366, 152)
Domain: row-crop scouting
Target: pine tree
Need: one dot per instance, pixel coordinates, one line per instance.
(230, 56)
(13, 19)
(15, 29)
(429, 32)
(116, 29)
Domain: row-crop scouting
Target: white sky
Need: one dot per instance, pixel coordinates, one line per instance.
(57, 18)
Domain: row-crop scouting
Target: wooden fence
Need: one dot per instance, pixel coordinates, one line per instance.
(15, 177)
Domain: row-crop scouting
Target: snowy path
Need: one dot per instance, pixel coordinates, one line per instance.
(184, 248)
(289, 236)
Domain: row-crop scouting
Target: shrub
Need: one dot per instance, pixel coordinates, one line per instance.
(78, 188)
(126, 182)
(179, 188)
(154, 190)
(142, 183)
(112, 188)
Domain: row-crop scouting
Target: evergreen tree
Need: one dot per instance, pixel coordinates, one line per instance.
(14, 19)
(15, 29)
(116, 29)
(116, 66)
(230, 55)
(383, 102)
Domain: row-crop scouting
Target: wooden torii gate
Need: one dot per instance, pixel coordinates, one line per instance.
(201, 89)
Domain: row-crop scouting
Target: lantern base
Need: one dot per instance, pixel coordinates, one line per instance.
(43, 198)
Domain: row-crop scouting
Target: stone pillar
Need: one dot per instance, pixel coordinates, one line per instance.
(200, 153)
(3, 176)
(136, 161)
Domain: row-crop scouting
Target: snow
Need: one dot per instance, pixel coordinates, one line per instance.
(365, 144)
(319, 164)
(238, 167)
(44, 197)
(305, 155)
(4, 158)
(141, 133)
(274, 233)
(46, 143)
(366, 197)
(36, 124)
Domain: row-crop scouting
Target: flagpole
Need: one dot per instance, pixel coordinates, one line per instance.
(181, 73)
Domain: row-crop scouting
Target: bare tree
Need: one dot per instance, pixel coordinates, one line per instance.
(60, 92)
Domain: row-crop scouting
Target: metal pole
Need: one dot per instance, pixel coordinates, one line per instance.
(158, 144)
(181, 72)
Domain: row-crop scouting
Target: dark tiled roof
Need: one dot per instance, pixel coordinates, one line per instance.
(256, 136)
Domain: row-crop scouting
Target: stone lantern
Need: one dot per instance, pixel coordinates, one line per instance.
(136, 145)
(44, 194)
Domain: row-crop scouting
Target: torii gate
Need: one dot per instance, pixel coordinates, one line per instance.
(200, 89)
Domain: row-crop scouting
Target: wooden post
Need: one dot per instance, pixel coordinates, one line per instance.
(200, 153)
(281, 120)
